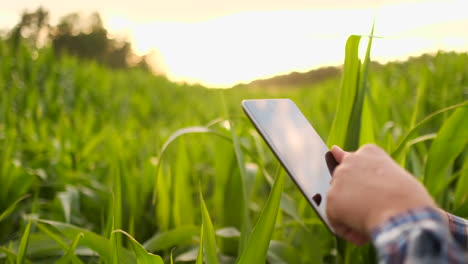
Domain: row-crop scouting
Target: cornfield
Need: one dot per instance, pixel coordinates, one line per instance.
(107, 166)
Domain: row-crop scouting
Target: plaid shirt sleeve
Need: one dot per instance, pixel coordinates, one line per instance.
(421, 236)
(459, 229)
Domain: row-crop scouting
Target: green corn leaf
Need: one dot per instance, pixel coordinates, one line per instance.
(61, 243)
(259, 241)
(243, 200)
(8, 252)
(242, 194)
(182, 207)
(21, 257)
(412, 132)
(175, 237)
(348, 92)
(282, 253)
(200, 248)
(171, 257)
(209, 240)
(461, 195)
(11, 208)
(69, 199)
(449, 143)
(95, 242)
(367, 134)
(178, 133)
(117, 203)
(163, 201)
(115, 248)
(142, 256)
(70, 257)
(355, 121)
(421, 98)
(456, 177)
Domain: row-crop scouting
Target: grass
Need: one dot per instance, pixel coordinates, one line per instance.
(102, 166)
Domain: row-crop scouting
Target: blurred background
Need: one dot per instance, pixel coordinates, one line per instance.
(224, 43)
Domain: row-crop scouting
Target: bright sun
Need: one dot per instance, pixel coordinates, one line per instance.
(223, 51)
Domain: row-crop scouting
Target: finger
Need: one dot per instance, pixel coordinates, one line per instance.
(338, 153)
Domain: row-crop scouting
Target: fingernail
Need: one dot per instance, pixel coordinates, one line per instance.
(336, 147)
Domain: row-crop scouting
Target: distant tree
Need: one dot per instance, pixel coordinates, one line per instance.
(87, 42)
(82, 37)
(88, 39)
(33, 26)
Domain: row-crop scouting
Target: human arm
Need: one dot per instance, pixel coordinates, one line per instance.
(373, 197)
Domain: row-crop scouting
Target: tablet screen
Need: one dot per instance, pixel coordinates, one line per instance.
(297, 145)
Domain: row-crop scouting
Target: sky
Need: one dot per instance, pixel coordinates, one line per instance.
(220, 43)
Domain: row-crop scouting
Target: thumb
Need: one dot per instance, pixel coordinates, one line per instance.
(338, 153)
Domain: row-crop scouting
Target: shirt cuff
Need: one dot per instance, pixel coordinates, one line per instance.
(459, 230)
(391, 229)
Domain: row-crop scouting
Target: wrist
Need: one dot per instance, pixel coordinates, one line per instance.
(383, 216)
(417, 218)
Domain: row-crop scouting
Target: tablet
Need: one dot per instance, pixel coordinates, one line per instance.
(298, 147)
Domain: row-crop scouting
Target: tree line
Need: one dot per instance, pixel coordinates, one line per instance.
(84, 37)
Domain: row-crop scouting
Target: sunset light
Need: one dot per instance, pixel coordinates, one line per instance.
(221, 47)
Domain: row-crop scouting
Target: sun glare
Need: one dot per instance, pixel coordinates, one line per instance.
(241, 47)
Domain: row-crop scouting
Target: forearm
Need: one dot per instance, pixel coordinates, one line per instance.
(417, 236)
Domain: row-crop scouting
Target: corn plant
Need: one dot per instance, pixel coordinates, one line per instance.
(112, 166)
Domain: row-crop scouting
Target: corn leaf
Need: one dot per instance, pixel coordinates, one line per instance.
(7, 252)
(95, 242)
(164, 240)
(209, 240)
(259, 241)
(200, 248)
(449, 143)
(163, 201)
(355, 121)
(11, 208)
(70, 257)
(348, 92)
(242, 198)
(21, 257)
(280, 252)
(142, 256)
(61, 243)
(413, 131)
(461, 195)
(182, 206)
(178, 133)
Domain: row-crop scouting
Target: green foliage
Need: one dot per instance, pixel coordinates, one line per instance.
(21, 257)
(347, 98)
(200, 247)
(69, 256)
(209, 240)
(142, 256)
(450, 142)
(259, 240)
(89, 150)
(11, 208)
